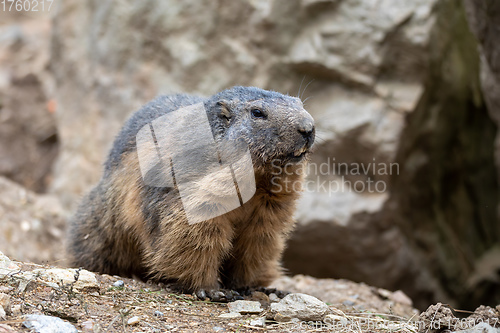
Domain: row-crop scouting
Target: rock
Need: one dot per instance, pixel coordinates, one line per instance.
(16, 309)
(86, 280)
(300, 306)
(273, 298)
(158, 313)
(279, 317)
(88, 326)
(230, 315)
(260, 297)
(133, 320)
(244, 307)
(6, 289)
(119, 284)
(48, 324)
(332, 319)
(341, 293)
(5, 302)
(400, 297)
(259, 322)
(397, 296)
(6, 266)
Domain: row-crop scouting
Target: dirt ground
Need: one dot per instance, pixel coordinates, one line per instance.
(106, 308)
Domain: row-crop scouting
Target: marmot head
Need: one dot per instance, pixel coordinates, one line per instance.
(275, 127)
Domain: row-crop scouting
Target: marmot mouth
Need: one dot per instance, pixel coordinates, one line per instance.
(298, 154)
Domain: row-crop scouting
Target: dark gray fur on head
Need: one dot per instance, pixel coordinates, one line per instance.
(284, 128)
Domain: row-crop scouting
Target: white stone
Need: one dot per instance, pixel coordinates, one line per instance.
(133, 320)
(332, 319)
(273, 298)
(48, 324)
(244, 307)
(86, 279)
(6, 266)
(16, 309)
(230, 315)
(300, 306)
(259, 322)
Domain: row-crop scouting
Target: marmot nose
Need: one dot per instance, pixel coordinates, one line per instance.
(306, 129)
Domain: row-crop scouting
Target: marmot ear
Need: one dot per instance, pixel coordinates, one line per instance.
(223, 109)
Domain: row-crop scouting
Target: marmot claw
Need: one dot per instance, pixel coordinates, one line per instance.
(218, 295)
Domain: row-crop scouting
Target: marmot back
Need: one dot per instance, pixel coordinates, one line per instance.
(135, 224)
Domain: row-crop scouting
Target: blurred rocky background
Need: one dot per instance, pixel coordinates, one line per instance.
(412, 84)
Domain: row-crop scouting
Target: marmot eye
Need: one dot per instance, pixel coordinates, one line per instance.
(256, 113)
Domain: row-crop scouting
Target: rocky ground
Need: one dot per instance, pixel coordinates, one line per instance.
(35, 298)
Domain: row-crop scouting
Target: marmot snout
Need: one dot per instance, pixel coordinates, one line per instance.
(130, 227)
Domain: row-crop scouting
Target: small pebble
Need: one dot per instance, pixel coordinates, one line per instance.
(158, 314)
(119, 284)
(332, 319)
(400, 297)
(273, 298)
(133, 321)
(5, 289)
(281, 318)
(88, 326)
(259, 322)
(230, 315)
(16, 310)
(218, 328)
(244, 307)
(261, 297)
(384, 293)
